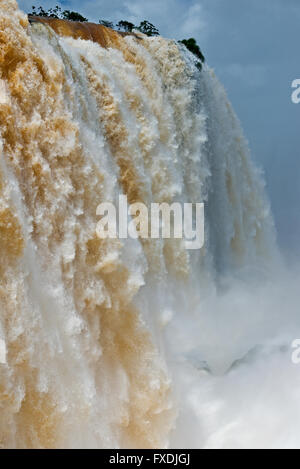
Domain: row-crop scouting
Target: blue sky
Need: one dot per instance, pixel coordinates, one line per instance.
(253, 46)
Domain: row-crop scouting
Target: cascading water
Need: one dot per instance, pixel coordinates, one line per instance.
(95, 331)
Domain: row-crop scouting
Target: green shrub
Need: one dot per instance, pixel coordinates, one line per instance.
(191, 45)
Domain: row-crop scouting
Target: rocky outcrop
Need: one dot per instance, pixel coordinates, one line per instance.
(87, 31)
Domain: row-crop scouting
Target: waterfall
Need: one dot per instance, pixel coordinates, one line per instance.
(92, 330)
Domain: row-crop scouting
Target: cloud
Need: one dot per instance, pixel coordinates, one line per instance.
(193, 23)
(251, 75)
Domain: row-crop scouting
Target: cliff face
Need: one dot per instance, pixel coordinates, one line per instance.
(87, 31)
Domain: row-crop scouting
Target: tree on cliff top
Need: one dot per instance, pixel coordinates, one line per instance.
(107, 24)
(145, 26)
(58, 13)
(74, 16)
(191, 45)
(125, 26)
(148, 28)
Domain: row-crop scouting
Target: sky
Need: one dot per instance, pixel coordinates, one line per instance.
(253, 47)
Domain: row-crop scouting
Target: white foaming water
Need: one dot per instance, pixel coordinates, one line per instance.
(113, 343)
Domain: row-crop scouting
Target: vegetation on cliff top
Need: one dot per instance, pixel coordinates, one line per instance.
(145, 27)
(58, 13)
(191, 45)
